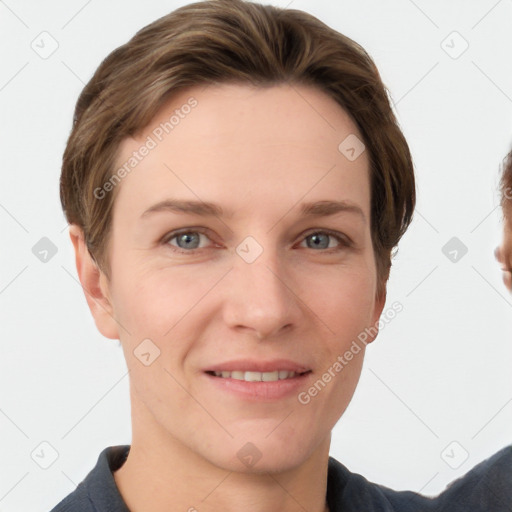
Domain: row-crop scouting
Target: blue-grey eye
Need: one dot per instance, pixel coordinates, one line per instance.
(319, 240)
(188, 240)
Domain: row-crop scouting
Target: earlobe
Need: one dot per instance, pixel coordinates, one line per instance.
(94, 284)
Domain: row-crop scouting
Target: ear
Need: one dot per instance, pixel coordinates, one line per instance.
(380, 301)
(95, 285)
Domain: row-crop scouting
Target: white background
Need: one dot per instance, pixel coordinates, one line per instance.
(439, 372)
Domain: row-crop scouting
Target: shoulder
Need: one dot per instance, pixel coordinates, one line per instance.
(98, 491)
(349, 492)
(77, 501)
(487, 487)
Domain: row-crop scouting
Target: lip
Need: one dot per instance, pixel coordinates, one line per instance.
(259, 391)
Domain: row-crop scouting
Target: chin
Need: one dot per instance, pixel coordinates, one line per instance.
(261, 455)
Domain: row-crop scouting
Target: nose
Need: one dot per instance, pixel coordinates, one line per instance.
(261, 297)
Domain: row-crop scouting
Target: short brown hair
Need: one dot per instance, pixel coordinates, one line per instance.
(221, 41)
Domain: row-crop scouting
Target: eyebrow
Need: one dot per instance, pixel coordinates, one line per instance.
(207, 209)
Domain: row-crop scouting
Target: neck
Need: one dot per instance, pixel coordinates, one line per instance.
(161, 474)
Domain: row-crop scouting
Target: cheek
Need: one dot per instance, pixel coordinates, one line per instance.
(345, 298)
(330, 394)
(155, 300)
(170, 309)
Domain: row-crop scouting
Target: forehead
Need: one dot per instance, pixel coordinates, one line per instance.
(245, 146)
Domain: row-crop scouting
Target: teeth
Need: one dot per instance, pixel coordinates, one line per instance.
(257, 376)
(253, 376)
(270, 376)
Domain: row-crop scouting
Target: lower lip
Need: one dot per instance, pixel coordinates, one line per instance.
(264, 391)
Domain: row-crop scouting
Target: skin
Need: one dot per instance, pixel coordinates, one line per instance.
(503, 253)
(259, 153)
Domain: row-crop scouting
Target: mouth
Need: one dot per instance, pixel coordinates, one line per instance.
(251, 376)
(265, 381)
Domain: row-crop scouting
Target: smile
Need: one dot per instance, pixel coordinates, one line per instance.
(257, 376)
(258, 379)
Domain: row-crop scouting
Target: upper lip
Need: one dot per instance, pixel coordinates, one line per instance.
(252, 365)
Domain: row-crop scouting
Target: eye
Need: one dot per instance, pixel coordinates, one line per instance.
(186, 241)
(320, 239)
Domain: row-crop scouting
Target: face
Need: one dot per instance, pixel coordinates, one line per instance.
(241, 252)
(503, 253)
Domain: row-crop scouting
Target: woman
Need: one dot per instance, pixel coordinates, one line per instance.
(235, 182)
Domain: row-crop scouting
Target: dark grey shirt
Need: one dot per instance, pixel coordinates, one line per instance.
(487, 487)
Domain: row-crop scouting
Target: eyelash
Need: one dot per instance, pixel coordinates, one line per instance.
(344, 241)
